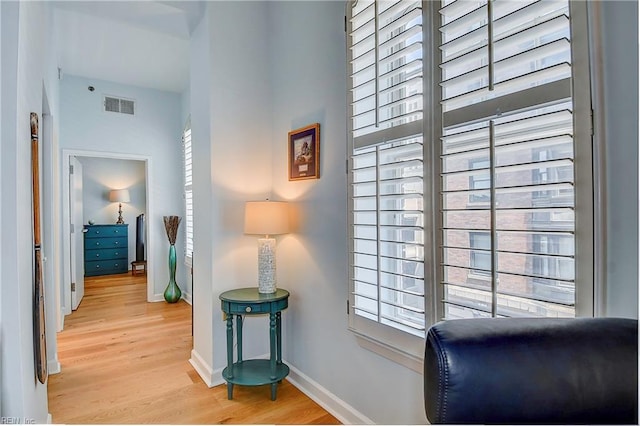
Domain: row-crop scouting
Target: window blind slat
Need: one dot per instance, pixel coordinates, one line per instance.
(188, 190)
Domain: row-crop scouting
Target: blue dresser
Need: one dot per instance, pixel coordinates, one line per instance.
(106, 249)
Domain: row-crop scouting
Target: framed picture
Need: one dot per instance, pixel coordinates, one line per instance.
(304, 153)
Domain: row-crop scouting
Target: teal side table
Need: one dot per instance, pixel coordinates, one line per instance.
(254, 372)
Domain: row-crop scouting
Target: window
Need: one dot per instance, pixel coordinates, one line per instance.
(480, 260)
(507, 108)
(188, 192)
(492, 155)
(479, 181)
(386, 169)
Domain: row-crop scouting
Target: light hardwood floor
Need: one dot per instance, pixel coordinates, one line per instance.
(126, 361)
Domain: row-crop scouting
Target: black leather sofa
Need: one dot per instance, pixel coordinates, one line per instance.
(532, 371)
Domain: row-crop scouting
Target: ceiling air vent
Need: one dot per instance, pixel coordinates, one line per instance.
(123, 106)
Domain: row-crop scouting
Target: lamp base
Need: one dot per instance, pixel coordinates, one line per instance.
(120, 219)
(266, 265)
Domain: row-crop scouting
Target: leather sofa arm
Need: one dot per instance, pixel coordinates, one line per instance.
(532, 371)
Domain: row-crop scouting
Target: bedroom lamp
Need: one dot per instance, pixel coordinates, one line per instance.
(119, 196)
(266, 218)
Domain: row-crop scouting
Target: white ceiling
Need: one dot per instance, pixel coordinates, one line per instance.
(141, 43)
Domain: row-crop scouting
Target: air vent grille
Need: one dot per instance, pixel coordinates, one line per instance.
(122, 106)
(126, 107)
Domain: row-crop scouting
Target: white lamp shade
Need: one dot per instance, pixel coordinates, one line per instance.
(119, 196)
(266, 217)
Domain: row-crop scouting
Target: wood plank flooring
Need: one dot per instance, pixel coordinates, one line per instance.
(125, 361)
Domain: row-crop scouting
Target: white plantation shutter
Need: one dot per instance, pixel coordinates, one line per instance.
(386, 70)
(188, 192)
(507, 106)
(388, 243)
(386, 168)
(481, 115)
(495, 48)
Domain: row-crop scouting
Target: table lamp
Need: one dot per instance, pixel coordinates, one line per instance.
(266, 218)
(119, 196)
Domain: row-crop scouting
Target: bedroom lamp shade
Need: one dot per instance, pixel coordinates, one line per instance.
(266, 218)
(119, 196)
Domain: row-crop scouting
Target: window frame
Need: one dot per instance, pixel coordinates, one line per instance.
(400, 346)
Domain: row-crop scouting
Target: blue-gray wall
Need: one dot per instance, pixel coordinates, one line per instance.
(155, 132)
(299, 46)
(27, 71)
(619, 105)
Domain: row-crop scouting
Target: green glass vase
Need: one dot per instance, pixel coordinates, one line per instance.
(172, 293)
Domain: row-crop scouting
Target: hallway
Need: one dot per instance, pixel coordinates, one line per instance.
(126, 361)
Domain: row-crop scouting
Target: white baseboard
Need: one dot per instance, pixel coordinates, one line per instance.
(53, 365)
(334, 405)
(330, 402)
(49, 419)
(158, 297)
(210, 377)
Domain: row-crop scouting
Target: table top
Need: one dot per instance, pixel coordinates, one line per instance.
(251, 295)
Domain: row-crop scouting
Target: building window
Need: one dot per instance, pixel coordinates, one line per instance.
(188, 192)
(479, 181)
(480, 254)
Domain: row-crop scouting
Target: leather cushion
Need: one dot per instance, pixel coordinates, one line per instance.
(540, 371)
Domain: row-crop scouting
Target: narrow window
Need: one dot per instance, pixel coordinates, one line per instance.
(188, 192)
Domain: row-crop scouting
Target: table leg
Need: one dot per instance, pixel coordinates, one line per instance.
(279, 336)
(229, 390)
(274, 390)
(239, 332)
(229, 355)
(272, 348)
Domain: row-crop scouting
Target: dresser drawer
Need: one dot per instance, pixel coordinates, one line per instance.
(97, 231)
(105, 254)
(105, 243)
(245, 308)
(114, 266)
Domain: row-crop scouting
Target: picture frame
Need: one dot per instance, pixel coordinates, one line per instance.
(304, 153)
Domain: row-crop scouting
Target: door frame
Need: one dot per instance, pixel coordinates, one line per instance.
(76, 238)
(65, 297)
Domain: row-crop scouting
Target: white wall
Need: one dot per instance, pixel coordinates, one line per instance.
(200, 106)
(619, 38)
(309, 85)
(1, 61)
(240, 122)
(99, 176)
(231, 137)
(154, 133)
(26, 70)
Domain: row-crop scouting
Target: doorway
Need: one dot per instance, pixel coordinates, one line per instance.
(100, 210)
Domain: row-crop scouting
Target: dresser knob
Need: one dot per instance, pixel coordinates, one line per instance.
(97, 254)
(247, 309)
